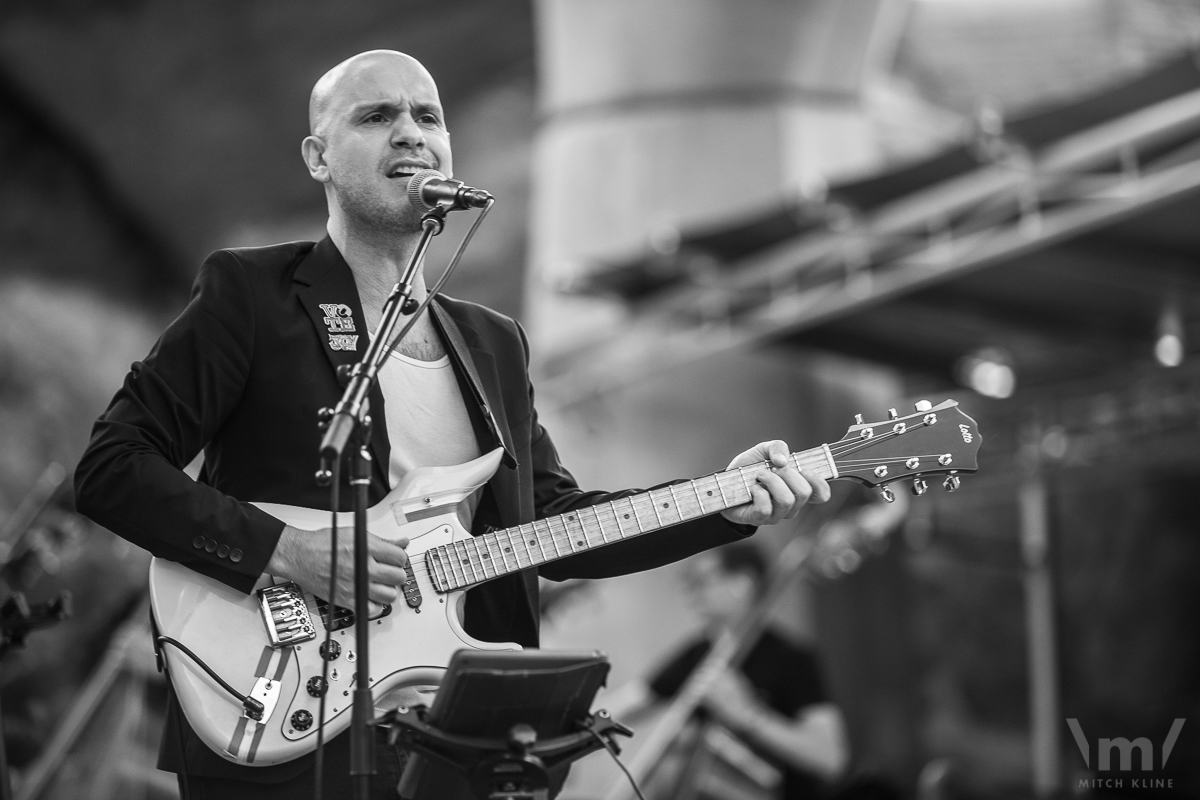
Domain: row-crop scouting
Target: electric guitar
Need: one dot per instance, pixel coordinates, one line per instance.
(270, 644)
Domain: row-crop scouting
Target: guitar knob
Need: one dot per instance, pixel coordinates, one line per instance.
(923, 405)
(331, 652)
(302, 720)
(316, 686)
(324, 417)
(887, 495)
(323, 477)
(892, 414)
(951, 483)
(919, 487)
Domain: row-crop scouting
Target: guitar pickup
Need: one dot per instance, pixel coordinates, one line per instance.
(410, 590)
(286, 615)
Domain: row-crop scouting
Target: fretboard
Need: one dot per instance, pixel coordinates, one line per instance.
(472, 561)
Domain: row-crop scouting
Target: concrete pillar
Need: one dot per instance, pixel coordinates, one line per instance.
(659, 115)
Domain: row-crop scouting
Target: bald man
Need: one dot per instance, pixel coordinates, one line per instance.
(241, 374)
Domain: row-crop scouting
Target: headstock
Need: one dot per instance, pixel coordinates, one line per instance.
(935, 440)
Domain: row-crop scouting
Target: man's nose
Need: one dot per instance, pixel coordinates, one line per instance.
(407, 133)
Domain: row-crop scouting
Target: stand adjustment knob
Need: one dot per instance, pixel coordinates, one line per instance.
(330, 650)
(316, 686)
(302, 720)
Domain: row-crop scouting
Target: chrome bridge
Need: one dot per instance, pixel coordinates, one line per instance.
(286, 614)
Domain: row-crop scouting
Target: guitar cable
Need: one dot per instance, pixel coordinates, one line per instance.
(612, 752)
(250, 704)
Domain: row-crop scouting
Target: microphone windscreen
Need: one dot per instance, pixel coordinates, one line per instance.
(417, 182)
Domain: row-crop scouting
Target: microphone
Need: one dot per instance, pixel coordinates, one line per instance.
(430, 188)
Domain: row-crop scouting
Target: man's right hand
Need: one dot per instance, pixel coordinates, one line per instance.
(303, 557)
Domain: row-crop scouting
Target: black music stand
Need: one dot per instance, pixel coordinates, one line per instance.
(504, 726)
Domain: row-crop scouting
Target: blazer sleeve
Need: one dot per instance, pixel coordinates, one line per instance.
(131, 480)
(556, 491)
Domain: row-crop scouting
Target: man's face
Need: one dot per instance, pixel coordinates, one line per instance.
(382, 123)
(717, 595)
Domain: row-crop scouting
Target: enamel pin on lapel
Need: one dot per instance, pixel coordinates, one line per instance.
(340, 321)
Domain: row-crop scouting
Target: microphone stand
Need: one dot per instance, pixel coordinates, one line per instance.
(349, 427)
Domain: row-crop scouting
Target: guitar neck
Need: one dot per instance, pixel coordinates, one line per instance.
(472, 561)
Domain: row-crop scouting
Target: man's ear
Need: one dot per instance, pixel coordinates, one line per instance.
(313, 151)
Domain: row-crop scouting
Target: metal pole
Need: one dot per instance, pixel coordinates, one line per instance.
(362, 743)
(1045, 715)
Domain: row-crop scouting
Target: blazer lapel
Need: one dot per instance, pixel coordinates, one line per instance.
(330, 298)
(477, 363)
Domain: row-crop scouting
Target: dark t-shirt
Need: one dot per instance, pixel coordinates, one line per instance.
(786, 677)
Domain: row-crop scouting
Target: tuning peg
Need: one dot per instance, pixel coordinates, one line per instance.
(886, 494)
(923, 405)
(892, 413)
(951, 483)
(919, 487)
(324, 417)
(858, 419)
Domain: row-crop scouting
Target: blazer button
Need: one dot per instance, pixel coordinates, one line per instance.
(210, 545)
(223, 551)
(235, 555)
(198, 543)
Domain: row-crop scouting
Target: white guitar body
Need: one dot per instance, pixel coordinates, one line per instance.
(267, 644)
(227, 629)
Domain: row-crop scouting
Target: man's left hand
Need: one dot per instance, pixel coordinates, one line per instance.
(779, 492)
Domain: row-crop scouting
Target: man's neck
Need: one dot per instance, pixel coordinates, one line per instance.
(376, 259)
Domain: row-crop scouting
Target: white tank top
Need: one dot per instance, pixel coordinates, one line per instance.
(427, 421)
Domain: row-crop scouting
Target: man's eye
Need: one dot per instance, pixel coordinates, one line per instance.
(428, 119)
(377, 117)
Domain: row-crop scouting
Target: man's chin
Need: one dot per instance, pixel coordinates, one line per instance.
(398, 217)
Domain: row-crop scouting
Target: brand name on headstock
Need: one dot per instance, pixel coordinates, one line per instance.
(966, 433)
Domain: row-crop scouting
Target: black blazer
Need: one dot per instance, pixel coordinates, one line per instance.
(242, 373)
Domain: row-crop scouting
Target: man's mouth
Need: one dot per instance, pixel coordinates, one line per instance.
(407, 170)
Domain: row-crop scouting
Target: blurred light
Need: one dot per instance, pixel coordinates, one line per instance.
(1169, 350)
(1169, 347)
(665, 238)
(988, 372)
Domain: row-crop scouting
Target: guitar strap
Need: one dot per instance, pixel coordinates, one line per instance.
(264, 669)
(462, 354)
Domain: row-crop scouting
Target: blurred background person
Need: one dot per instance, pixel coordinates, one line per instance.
(774, 703)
